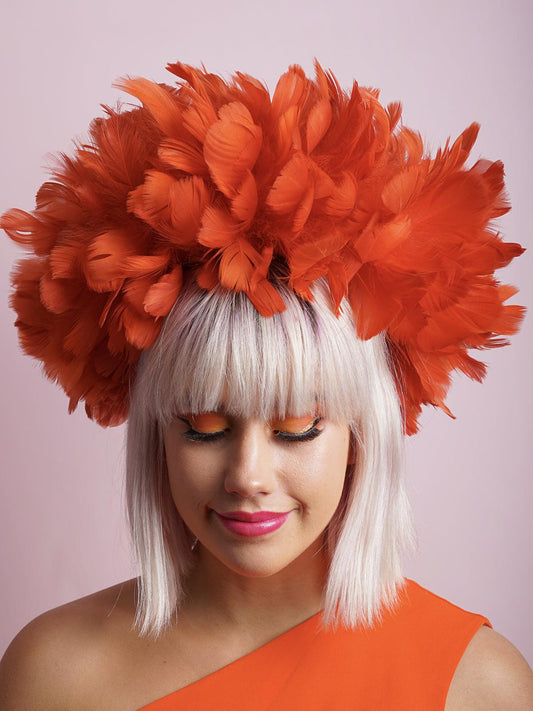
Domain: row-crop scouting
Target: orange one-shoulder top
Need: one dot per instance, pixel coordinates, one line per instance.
(405, 663)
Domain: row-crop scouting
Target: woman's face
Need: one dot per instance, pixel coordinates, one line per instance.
(256, 494)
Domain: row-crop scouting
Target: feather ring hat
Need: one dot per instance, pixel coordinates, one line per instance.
(222, 177)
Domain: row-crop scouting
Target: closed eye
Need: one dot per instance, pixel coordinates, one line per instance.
(310, 433)
(198, 436)
(306, 435)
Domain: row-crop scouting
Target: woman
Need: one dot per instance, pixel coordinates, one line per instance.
(269, 289)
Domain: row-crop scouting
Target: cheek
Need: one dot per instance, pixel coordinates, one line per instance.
(191, 479)
(183, 494)
(330, 484)
(320, 477)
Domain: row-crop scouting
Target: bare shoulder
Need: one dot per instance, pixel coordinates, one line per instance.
(55, 658)
(491, 676)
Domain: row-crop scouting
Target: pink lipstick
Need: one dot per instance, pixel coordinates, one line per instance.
(252, 524)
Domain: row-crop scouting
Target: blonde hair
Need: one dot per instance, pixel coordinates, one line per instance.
(214, 345)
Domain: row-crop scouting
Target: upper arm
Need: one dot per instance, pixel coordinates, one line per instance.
(40, 669)
(27, 668)
(491, 676)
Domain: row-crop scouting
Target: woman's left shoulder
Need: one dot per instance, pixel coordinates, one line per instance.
(492, 675)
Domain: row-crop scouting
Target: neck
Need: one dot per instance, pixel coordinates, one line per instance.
(220, 596)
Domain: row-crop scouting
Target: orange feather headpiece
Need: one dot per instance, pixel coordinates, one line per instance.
(221, 177)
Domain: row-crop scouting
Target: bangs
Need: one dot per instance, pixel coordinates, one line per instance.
(217, 353)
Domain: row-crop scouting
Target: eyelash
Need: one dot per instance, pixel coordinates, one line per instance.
(306, 436)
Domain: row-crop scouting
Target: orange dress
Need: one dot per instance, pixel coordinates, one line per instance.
(404, 664)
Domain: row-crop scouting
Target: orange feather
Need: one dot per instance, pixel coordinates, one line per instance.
(214, 176)
(231, 147)
(161, 102)
(162, 295)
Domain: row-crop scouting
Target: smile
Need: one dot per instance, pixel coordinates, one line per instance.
(252, 524)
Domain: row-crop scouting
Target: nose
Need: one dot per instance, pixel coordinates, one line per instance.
(250, 466)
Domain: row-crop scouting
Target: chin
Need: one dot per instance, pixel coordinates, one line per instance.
(259, 561)
(256, 566)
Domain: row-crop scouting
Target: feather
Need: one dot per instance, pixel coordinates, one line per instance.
(341, 201)
(288, 136)
(303, 210)
(338, 283)
(508, 322)
(323, 185)
(29, 231)
(317, 124)
(236, 267)
(375, 299)
(493, 180)
(207, 275)
(394, 111)
(160, 101)
(310, 260)
(408, 144)
(291, 89)
(263, 295)
(106, 258)
(58, 203)
(85, 332)
(188, 200)
(199, 117)
(244, 204)
(291, 186)
(70, 372)
(218, 229)
(60, 295)
(140, 331)
(140, 328)
(231, 147)
(266, 299)
(148, 200)
(256, 93)
(172, 207)
(185, 156)
(161, 296)
(135, 291)
(66, 259)
(403, 187)
(145, 265)
(377, 242)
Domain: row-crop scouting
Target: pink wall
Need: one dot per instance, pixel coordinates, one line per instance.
(62, 532)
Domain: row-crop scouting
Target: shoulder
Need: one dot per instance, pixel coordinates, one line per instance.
(492, 675)
(53, 659)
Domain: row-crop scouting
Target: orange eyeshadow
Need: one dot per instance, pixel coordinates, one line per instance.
(208, 422)
(293, 425)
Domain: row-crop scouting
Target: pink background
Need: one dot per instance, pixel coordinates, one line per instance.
(62, 528)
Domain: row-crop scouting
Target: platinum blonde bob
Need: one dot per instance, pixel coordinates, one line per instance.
(214, 345)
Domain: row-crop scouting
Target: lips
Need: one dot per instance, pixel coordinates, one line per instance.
(254, 524)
